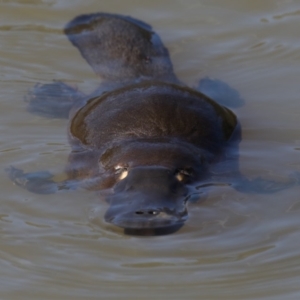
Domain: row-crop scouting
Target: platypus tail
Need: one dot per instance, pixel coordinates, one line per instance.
(120, 48)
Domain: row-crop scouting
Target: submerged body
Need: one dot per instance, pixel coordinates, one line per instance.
(142, 134)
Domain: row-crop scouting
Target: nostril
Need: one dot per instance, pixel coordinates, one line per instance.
(149, 212)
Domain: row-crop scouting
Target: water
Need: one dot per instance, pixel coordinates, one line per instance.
(234, 246)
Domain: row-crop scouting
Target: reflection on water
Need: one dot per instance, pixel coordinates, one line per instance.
(234, 246)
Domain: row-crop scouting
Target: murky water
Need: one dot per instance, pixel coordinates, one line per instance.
(234, 246)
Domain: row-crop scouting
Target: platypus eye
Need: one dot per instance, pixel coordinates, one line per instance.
(183, 175)
(121, 171)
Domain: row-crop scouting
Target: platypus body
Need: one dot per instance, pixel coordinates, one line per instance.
(148, 141)
(143, 134)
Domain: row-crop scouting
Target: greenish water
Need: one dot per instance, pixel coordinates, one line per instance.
(234, 246)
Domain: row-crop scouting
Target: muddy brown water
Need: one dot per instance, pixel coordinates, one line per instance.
(234, 245)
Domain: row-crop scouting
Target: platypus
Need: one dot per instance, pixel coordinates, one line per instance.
(143, 135)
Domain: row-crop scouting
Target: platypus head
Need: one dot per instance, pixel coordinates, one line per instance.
(150, 197)
(153, 186)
